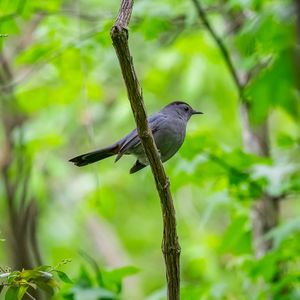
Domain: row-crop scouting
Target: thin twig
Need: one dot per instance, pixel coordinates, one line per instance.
(170, 245)
(202, 15)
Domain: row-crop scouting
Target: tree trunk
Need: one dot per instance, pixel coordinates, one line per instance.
(22, 212)
(265, 211)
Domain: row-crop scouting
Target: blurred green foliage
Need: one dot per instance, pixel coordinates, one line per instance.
(17, 284)
(68, 85)
(99, 284)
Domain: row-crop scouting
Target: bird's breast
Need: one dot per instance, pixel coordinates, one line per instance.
(170, 137)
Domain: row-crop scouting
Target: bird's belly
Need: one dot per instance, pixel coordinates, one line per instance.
(140, 154)
(168, 141)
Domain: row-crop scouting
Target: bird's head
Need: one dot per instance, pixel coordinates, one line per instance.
(181, 109)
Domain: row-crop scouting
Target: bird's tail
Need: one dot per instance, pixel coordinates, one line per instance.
(91, 157)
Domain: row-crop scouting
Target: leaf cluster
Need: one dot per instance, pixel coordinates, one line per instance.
(16, 284)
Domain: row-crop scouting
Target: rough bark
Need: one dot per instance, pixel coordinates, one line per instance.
(265, 211)
(170, 245)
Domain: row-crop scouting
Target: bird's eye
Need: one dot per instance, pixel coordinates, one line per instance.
(186, 108)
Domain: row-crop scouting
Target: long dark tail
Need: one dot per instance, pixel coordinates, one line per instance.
(91, 157)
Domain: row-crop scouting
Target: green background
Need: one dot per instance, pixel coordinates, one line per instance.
(67, 85)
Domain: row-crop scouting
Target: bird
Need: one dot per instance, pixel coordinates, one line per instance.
(168, 127)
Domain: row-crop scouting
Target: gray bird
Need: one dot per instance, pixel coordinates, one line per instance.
(168, 128)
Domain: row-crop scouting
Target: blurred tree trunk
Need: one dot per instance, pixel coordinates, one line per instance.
(15, 168)
(265, 211)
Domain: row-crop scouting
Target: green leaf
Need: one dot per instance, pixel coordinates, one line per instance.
(265, 267)
(113, 279)
(12, 293)
(285, 140)
(45, 287)
(63, 276)
(284, 231)
(284, 284)
(92, 293)
(21, 291)
(12, 276)
(120, 273)
(236, 238)
(95, 267)
(153, 27)
(84, 279)
(275, 86)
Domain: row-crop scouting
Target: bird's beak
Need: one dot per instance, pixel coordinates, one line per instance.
(194, 112)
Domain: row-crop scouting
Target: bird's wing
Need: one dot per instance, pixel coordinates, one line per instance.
(132, 140)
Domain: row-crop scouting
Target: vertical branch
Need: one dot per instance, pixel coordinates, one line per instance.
(170, 245)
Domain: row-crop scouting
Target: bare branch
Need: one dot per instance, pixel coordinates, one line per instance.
(202, 15)
(170, 245)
